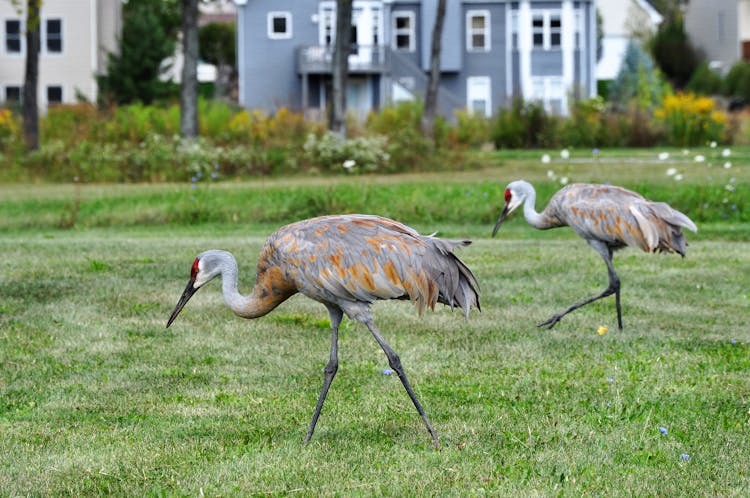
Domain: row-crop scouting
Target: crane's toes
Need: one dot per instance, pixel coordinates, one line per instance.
(550, 322)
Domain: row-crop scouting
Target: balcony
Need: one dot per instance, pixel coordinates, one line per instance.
(363, 59)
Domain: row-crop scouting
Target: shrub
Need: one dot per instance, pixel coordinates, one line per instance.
(332, 152)
(705, 81)
(9, 128)
(638, 81)
(737, 82)
(408, 148)
(472, 129)
(525, 124)
(691, 120)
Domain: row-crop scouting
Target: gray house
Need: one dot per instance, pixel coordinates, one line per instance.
(492, 51)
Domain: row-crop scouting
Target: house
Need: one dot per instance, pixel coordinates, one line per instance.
(76, 36)
(622, 21)
(720, 29)
(492, 51)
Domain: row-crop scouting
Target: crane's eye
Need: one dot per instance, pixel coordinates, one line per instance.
(507, 195)
(194, 269)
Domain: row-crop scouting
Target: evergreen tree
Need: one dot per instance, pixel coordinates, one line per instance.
(149, 33)
(637, 82)
(673, 51)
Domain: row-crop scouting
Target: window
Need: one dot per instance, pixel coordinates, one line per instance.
(403, 31)
(478, 31)
(13, 94)
(514, 30)
(13, 36)
(546, 30)
(478, 95)
(53, 35)
(326, 26)
(54, 95)
(549, 92)
(279, 25)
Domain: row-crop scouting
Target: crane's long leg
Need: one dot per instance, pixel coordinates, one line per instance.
(395, 362)
(613, 288)
(329, 372)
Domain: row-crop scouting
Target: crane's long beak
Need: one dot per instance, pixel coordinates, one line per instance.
(500, 219)
(186, 295)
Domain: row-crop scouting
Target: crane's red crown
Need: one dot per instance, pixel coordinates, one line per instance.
(507, 195)
(194, 269)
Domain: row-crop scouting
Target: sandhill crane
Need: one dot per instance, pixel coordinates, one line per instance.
(346, 263)
(609, 218)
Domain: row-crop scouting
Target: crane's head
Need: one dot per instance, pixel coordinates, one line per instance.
(515, 194)
(205, 267)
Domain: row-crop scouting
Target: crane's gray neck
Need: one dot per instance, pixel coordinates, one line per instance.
(529, 210)
(250, 306)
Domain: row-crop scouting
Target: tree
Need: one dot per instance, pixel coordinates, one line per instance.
(638, 81)
(31, 76)
(189, 91)
(673, 51)
(340, 65)
(433, 82)
(218, 47)
(148, 37)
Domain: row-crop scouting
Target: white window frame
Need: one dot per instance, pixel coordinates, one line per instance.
(546, 29)
(411, 31)
(471, 31)
(45, 35)
(269, 25)
(479, 88)
(21, 36)
(543, 91)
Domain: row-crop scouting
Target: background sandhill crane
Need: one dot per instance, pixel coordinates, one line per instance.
(609, 218)
(345, 262)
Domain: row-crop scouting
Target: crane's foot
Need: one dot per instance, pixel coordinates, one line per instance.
(551, 321)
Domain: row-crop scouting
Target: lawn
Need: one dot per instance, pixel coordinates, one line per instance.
(97, 397)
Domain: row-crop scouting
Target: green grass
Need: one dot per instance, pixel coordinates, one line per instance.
(97, 398)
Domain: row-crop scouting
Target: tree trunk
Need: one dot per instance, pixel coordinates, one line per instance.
(430, 99)
(189, 90)
(340, 66)
(31, 77)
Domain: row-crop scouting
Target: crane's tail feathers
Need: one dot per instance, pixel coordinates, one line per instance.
(661, 226)
(457, 285)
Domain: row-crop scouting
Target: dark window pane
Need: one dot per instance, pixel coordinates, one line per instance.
(279, 25)
(13, 94)
(477, 41)
(538, 39)
(12, 36)
(54, 35)
(402, 41)
(538, 22)
(555, 39)
(555, 22)
(54, 94)
(402, 23)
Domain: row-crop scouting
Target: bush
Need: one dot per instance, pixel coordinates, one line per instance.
(705, 81)
(408, 148)
(9, 128)
(737, 81)
(525, 125)
(332, 153)
(691, 120)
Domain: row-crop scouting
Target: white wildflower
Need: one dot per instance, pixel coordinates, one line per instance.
(726, 153)
(678, 177)
(565, 154)
(564, 180)
(663, 156)
(349, 163)
(713, 144)
(671, 171)
(727, 165)
(550, 174)
(700, 158)
(545, 159)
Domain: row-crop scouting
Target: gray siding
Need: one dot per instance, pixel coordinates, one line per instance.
(451, 42)
(546, 63)
(270, 73)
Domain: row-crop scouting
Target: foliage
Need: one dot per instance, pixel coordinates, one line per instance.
(674, 52)
(408, 147)
(705, 81)
(737, 81)
(9, 128)
(691, 120)
(638, 82)
(472, 129)
(524, 124)
(148, 38)
(217, 43)
(332, 152)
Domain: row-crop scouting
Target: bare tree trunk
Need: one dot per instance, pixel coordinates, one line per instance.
(189, 90)
(31, 77)
(430, 99)
(340, 65)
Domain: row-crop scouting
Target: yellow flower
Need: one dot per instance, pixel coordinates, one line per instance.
(602, 330)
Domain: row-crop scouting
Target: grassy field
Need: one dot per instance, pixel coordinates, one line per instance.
(97, 398)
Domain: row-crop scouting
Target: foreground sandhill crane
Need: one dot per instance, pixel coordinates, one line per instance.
(609, 218)
(346, 263)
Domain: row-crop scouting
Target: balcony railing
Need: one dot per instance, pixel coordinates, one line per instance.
(362, 59)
